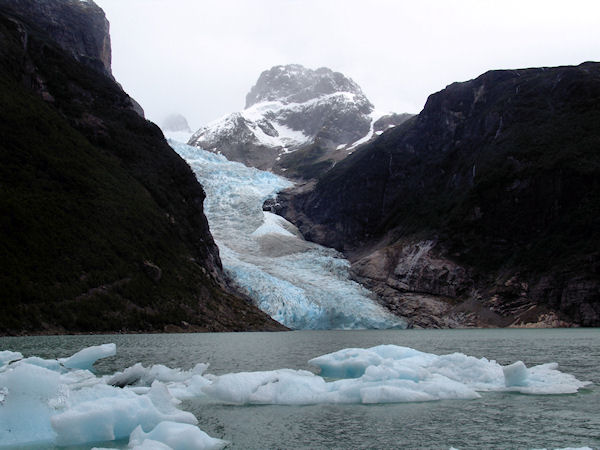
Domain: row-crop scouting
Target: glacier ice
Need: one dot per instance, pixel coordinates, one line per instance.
(86, 358)
(106, 413)
(56, 402)
(7, 356)
(26, 409)
(388, 374)
(300, 284)
(176, 436)
(45, 402)
(515, 374)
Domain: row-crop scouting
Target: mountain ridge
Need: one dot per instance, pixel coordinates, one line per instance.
(102, 222)
(497, 178)
(298, 122)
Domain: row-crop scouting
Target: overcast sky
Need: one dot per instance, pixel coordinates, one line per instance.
(201, 57)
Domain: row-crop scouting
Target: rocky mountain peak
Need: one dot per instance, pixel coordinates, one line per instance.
(294, 83)
(297, 121)
(497, 175)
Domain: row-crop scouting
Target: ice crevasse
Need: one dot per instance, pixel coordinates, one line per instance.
(299, 283)
(62, 402)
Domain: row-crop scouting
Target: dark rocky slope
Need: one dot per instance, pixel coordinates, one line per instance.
(102, 222)
(482, 210)
(78, 27)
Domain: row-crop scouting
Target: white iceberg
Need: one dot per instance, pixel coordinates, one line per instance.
(57, 402)
(45, 402)
(85, 359)
(106, 413)
(176, 436)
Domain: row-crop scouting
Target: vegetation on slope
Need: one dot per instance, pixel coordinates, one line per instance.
(503, 171)
(102, 223)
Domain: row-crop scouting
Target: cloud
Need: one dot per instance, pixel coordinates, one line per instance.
(200, 58)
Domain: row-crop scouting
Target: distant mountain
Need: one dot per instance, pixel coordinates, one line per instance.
(484, 209)
(297, 121)
(176, 127)
(102, 223)
(175, 122)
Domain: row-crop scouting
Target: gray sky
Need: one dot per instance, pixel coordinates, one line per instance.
(201, 57)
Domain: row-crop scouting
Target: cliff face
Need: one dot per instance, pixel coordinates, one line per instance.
(102, 222)
(78, 26)
(497, 176)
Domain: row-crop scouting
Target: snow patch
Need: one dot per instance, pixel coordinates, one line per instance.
(374, 116)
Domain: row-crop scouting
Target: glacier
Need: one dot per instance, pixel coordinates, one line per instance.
(300, 284)
(45, 402)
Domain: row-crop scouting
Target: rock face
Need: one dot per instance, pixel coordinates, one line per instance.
(102, 222)
(494, 186)
(296, 84)
(297, 121)
(78, 26)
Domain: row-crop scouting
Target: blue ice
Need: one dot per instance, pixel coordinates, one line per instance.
(300, 284)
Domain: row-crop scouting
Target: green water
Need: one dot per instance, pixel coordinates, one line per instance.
(496, 420)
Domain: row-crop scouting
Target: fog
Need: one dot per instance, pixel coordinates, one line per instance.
(200, 58)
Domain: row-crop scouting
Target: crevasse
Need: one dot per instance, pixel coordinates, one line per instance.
(300, 284)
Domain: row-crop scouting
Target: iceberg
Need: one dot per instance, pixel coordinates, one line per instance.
(61, 402)
(44, 402)
(106, 413)
(7, 356)
(388, 374)
(176, 436)
(86, 358)
(28, 393)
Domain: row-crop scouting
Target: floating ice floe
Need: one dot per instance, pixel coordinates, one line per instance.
(46, 402)
(173, 435)
(54, 402)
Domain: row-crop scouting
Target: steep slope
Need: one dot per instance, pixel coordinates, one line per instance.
(297, 121)
(490, 196)
(102, 222)
(80, 28)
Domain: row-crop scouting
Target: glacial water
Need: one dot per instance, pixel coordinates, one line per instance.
(300, 284)
(496, 419)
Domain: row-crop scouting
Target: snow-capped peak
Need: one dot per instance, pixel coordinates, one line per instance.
(294, 83)
(292, 108)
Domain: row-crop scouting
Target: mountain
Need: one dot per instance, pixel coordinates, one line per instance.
(175, 122)
(482, 210)
(297, 121)
(176, 127)
(102, 223)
